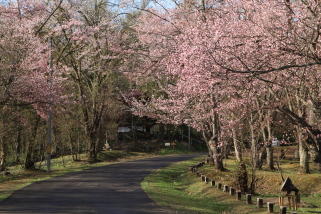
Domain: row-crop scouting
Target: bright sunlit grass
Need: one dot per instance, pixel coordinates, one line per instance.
(178, 189)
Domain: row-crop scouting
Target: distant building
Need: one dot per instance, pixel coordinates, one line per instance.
(275, 142)
(123, 129)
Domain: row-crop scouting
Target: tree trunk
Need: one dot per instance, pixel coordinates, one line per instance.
(317, 160)
(213, 142)
(71, 147)
(217, 158)
(226, 151)
(216, 155)
(237, 146)
(78, 145)
(303, 153)
(241, 177)
(30, 160)
(92, 154)
(210, 153)
(269, 148)
(18, 147)
(304, 160)
(218, 162)
(261, 157)
(3, 154)
(301, 122)
(254, 152)
(316, 149)
(269, 157)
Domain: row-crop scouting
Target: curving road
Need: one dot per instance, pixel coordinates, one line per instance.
(112, 189)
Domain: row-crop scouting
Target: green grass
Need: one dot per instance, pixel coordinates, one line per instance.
(20, 178)
(313, 202)
(182, 191)
(169, 151)
(270, 181)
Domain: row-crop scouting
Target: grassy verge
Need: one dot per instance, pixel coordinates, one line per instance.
(170, 151)
(270, 182)
(20, 178)
(178, 189)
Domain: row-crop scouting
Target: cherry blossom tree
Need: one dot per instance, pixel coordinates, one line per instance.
(213, 59)
(91, 47)
(24, 62)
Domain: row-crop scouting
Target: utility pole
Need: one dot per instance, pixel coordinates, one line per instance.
(49, 130)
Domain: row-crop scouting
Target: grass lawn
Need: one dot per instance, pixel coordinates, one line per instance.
(20, 178)
(177, 188)
(269, 183)
(170, 151)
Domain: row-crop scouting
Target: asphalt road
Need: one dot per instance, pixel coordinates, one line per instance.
(112, 189)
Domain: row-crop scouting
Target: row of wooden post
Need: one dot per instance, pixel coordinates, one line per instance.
(238, 194)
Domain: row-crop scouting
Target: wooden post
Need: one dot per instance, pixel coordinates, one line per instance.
(290, 202)
(270, 207)
(248, 199)
(219, 186)
(232, 191)
(281, 201)
(259, 203)
(213, 183)
(226, 188)
(207, 180)
(294, 204)
(239, 195)
(282, 210)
